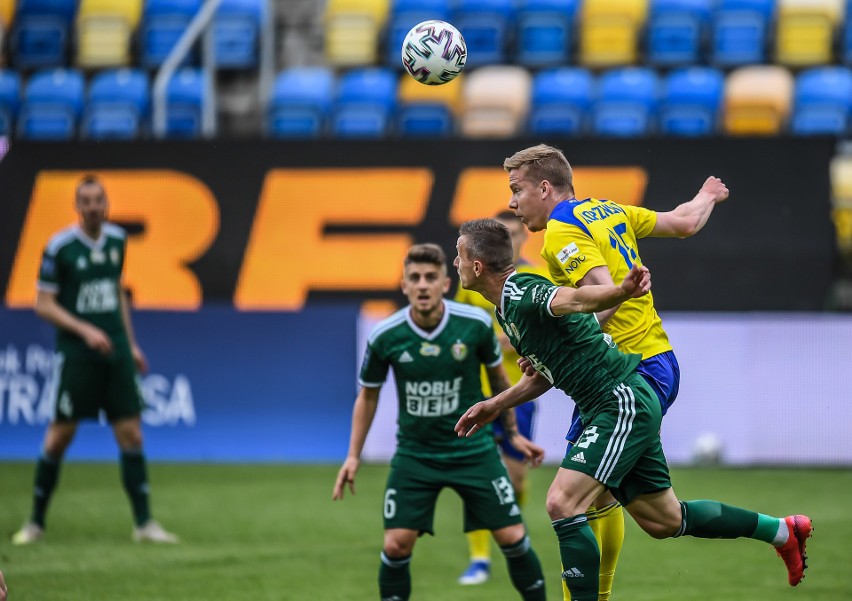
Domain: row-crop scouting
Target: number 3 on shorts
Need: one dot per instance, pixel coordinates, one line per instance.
(390, 504)
(590, 435)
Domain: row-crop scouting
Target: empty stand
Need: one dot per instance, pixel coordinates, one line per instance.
(758, 100)
(352, 31)
(740, 32)
(495, 101)
(185, 100)
(561, 101)
(10, 98)
(427, 110)
(676, 31)
(118, 105)
(626, 102)
(41, 33)
(405, 14)
(365, 104)
(236, 33)
(163, 23)
(805, 31)
(610, 30)
(104, 29)
(545, 32)
(486, 26)
(822, 101)
(301, 102)
(53, 103)
(690, 101)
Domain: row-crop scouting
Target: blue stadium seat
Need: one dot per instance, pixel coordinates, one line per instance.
(676, 30)
(366, 100)
(561, 101)
(236, 33)
(691, 100)
(545, 32)
(163, 22)
(300, 102)
(740, 32)
(118, 105)
(405, 14)
(184, 104)
(486, 26)
(420, 120)
(626, 102)
(822, 101)
(53, 103)
(10, 99)
(846, 35)
(41, 32)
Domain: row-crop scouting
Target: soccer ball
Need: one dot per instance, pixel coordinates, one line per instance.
(434, 52)
(707, 450)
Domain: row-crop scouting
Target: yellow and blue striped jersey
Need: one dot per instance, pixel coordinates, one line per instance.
(510, 357)
(582, 234)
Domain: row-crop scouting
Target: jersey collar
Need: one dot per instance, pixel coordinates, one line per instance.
(503, 292)
(93, 244)
(438, 329)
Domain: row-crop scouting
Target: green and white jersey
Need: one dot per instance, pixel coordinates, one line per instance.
(570, 350)
(437, 377)
(85, 275)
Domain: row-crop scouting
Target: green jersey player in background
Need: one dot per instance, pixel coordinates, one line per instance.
(620, 447)
(436, 348)
(97, 358)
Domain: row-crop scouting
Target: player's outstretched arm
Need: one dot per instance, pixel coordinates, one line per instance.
(688, 218)
(487, 411)
(590, 299)
(362, 418)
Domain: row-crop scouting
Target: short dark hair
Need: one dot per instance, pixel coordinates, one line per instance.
(89, 179)
(488, 241)
(507, 215)
(426, 253)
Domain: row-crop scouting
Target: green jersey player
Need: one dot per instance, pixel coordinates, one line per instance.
(620, 446)
(97, 358)
(436, 348)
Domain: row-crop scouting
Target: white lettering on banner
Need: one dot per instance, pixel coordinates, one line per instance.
(432, 399)
(26, 391)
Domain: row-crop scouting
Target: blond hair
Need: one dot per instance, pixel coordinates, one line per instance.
(543, 162)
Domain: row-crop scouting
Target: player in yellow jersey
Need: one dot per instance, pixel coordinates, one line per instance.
(479, 541)
(594, 241)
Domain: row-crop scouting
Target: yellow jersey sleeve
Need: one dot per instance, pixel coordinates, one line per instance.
(570, 253)
(642, 220)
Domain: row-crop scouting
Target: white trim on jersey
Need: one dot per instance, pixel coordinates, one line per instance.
(370, 384)
(503, 292)
(550, 300)
(47, 287)
(116, 231)
(386, 324)
(434, 333)
(465, 310)
(60, 239)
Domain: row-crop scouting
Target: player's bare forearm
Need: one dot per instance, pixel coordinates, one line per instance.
(125, 316)
(589, 299)
(689, 218)
(527, 389)
(363, 413)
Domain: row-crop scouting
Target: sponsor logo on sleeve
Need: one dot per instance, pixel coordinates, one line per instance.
(567, 252)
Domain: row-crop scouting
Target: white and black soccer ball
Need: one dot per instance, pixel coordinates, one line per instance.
(434, 52)
(708, 450)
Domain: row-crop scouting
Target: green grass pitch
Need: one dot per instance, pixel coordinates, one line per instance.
(271, 532)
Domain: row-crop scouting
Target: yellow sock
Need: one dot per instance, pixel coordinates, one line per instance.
(479, 543)
(608, 525)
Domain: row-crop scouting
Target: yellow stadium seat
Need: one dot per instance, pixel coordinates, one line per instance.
(609, 31)
(104, 29)
(449, 94)
(351, 39)
(841, 200)
(377, 9)
(7, 11)
(758, 100)
(805, 31)
(129, 10)
(495, 101)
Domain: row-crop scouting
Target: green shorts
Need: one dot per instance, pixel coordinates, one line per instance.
(621, 446)
(480, 480)
(85, 386)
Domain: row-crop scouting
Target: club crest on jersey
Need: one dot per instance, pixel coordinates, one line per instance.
(513, 330)
(459, 350)
(97, 257)
(428, 349)
(113, 256)
(81, 263)
(568, 252)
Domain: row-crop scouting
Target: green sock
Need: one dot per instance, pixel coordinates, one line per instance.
(525, 570)
(46, 477)
(581, 559)
(767, 529)
(394, 578)
(712, 519)
(134, 476)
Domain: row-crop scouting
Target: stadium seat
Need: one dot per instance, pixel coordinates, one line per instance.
(10, 99)
(545, 32)
(740, 32)
(7, 13)
(757, 100)
(365, 104)
(300, 103)
(805, 31)
(822, 101)
(184, 104)
(610, 30)
(676, 31)
(118, 104)
(561, 101)
(53, 102)
(104, 29)
(427, 110)
(495, 101)
(352, 31)
(236, 33)
(163, 23)
(486, 26)
(626, 102)
(690, 101)
(41, 32)
(405, 14)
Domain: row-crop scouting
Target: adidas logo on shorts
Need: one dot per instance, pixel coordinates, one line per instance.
(579, 457)
(572, 573)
